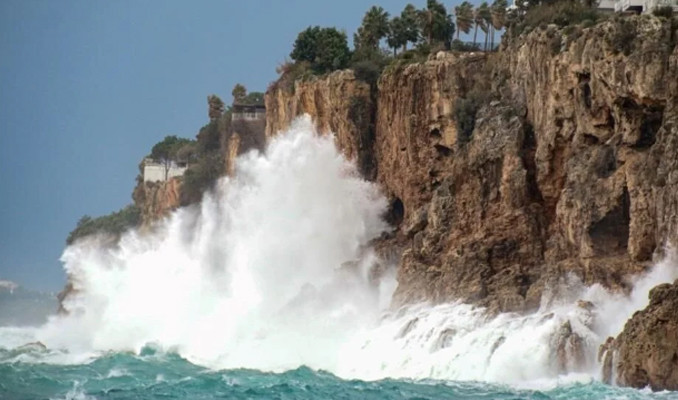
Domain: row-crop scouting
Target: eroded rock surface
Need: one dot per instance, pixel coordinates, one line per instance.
(646, 352)
(572, 166)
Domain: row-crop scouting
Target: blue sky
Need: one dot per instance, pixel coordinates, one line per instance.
(87, 87)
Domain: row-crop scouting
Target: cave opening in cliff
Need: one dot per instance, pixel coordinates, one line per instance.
(395, 213)
(610, 235)
(584, 79)
(652, 121)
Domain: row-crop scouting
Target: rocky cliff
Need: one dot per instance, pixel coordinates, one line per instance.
(339, 104)
(157, 199)
(570, 163)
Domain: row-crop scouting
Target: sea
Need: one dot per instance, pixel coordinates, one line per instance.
(269, 289)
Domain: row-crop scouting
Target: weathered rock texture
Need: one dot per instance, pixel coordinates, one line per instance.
(157, 199)
(647, 349)
(572, 165)
(339, 104)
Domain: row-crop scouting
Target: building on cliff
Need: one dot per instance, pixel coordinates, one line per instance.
(640, 6)
(155, 171)
(248, 112)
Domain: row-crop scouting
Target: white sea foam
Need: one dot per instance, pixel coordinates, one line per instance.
(257, 277)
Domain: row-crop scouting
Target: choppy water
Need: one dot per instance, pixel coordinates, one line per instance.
(167, 376)
(268, 289)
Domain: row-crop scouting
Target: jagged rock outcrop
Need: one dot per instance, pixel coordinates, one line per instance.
(646, 352)
(572, 165)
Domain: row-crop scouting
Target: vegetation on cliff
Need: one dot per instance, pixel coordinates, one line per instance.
(112, 224)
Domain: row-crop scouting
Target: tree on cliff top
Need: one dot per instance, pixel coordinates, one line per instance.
(239, 92)
(165, 152)
(464, 16)
(436, 24)
(215, 107)
(410, 24)
(325, 49)
(375, 26)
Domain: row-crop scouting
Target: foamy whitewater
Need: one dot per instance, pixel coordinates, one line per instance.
(272, 273)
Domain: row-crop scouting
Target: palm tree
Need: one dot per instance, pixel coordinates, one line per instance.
(437, 25)
(488, 22)
(408, 19)
(498, 11)
(375, 26)
(464, 14)
(483, 15)
(479, 20)
(396, 35)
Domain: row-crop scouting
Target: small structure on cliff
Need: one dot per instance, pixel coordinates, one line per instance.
(155, 171)
(641, 6)
(248, 112)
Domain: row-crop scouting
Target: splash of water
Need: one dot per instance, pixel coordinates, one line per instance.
(257, 277)
(271, 272)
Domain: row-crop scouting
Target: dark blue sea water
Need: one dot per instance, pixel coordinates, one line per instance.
(168, 376)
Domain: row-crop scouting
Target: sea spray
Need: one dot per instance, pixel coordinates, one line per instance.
(272, 272)
(269, 272)
(557, 343)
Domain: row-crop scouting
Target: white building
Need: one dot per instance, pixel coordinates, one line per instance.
(642, 6)
(158, 172)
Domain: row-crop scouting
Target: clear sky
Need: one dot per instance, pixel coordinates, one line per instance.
(87, 87)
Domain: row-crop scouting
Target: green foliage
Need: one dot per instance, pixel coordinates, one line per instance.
(414, 56)
(396, 34)
(215, 107)
(499, 14)
(375, 26)
(201, 177)
(209, 138)
(166, 150)
(464, 15)
(239, 92)
(622, 38)
(114, 224)
(240, 96)
(663, 11)
(436, 24)
(254, 98)
(561, 13)
(325, 49)
(465, 112)
(367, 71)
(480, 17)
(409, 18)
(458, 45)
(291, 72)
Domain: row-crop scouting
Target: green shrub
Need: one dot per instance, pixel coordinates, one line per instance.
(465, 112)
(458, 45)
(587, 23)
(200, 177)
(291, 72)
(561, 13)
(114, 224)
(367, 71)
(663, 11)
(622, 37)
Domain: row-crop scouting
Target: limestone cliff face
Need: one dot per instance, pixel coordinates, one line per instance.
(572, 165)
(340, 104)
(572, 168)
(157, 199)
